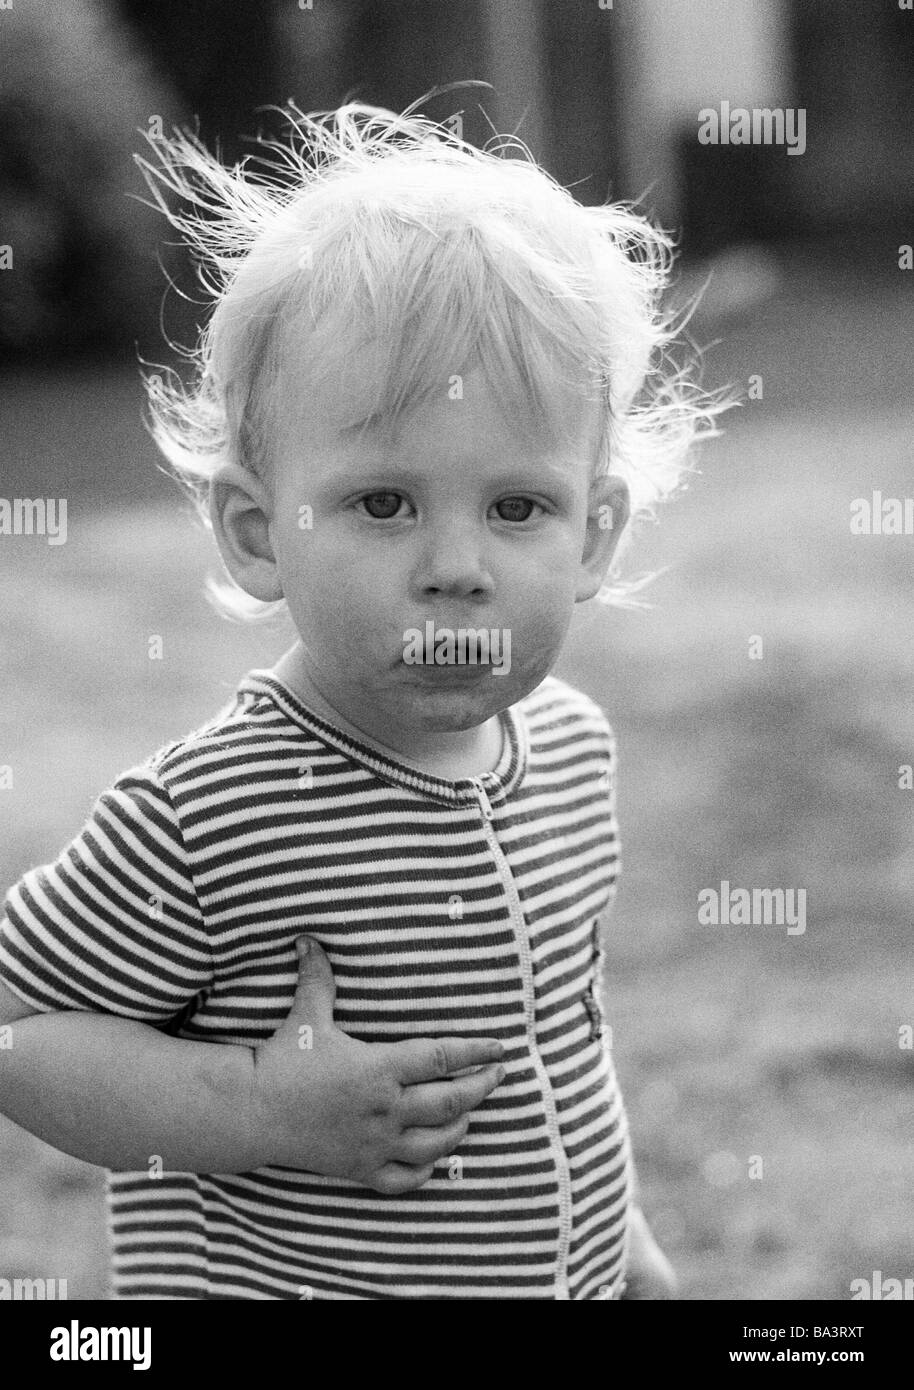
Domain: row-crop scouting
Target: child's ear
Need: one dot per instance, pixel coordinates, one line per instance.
(608, 510)
(241, 509)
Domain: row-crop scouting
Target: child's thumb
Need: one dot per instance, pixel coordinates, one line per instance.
(315, 991)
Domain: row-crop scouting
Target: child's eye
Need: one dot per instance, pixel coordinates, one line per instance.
(382, 505)
(515, 508)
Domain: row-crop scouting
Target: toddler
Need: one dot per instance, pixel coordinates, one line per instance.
(320, 981)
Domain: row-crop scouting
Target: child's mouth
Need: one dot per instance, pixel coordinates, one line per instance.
(465, 652)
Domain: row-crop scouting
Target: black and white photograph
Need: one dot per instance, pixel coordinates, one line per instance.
(457, 661)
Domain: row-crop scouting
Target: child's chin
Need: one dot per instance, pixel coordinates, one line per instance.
(449, 706)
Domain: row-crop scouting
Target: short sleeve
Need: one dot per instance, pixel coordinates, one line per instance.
(113, 924)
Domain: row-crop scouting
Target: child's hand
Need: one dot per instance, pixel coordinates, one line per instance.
(378, 1113)
(650, 1274)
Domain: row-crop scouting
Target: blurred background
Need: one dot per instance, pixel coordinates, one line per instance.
(735, 1043)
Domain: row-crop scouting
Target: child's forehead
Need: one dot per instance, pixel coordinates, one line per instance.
(346, 397)
(344, 390)
(346, 416)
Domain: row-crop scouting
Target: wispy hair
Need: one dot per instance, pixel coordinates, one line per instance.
(371, 231)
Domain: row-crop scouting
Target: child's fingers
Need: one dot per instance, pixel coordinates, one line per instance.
(432, 1059)
(443, 1102)
(396, 1178)
(423, 1146)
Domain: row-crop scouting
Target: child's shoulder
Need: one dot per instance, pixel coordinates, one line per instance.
(556, 702)
(247, 720)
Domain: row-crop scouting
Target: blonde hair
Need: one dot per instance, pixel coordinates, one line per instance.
(391, 231)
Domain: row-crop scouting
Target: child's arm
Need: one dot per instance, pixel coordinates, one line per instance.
(110, 940)
(118, 1092)
(649, 1274)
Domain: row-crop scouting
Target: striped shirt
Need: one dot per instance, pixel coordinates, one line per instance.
(466, 908)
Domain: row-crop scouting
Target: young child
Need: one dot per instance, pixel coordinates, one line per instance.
(427, 400)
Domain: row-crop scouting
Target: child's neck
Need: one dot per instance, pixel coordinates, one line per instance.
(478, 751)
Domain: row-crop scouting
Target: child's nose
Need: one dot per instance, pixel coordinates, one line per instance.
(454, 562)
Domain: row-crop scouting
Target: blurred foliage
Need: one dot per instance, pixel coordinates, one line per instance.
(74, 93)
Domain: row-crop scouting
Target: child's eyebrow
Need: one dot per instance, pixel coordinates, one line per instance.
(381, 474)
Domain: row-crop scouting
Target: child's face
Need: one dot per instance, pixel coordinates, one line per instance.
(457, 521)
